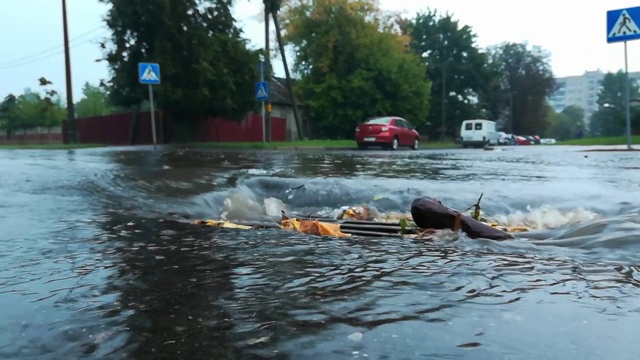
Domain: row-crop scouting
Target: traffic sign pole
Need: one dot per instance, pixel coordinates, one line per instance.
(262, 95)
(627, 91)
(149, 74)
(622, 26)
(264, 131)
(153, 115)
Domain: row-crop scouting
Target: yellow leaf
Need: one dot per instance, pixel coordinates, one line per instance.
(222, 224)
(312, 227)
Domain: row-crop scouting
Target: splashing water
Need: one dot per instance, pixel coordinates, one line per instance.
(241, 205)
(545, 217)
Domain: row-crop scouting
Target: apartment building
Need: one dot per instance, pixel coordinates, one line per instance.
(581, 90)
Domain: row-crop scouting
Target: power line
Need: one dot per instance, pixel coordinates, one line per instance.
(51, 51)
(44, 56)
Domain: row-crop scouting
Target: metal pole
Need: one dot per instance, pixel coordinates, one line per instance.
(71, 116)
(627, 95)
(263, 112)
(153, 116)
(267, 58)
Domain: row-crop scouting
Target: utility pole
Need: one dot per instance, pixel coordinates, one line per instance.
(288, 75)
(267, 59)
(71, 117)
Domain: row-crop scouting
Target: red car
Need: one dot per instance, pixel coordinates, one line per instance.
(522, 140)
(390, 132)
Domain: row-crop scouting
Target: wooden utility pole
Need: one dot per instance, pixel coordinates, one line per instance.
(288, 75)
(71, 116)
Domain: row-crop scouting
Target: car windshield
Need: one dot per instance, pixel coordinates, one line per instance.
(382, 121)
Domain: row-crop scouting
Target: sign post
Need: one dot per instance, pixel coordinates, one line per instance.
(264, 131)
(149, 74)
(262, 94)
(622, 26)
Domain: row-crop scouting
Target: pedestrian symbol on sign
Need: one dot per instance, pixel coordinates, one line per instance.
(149, 75)
(624, 26)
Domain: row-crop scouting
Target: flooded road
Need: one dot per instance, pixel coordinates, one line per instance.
(100, 258)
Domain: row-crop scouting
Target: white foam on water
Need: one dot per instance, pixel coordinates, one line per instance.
(545, 217)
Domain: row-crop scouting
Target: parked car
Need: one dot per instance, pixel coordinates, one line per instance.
(548, 141)
(506, 139)
(478, 133)
(522, 140)
(535, 139)
(390, 132)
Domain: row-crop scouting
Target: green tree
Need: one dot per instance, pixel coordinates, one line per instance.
(525, 82)
(32, 109)
(95, 102)
(354, 63)
(207, 69)
(9, 119)
(456, 67)
(566, 124)
(610, 118)
(576, 114)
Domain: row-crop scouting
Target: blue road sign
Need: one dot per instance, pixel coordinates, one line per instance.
(262, 90)
(622, 24)
(149, 73)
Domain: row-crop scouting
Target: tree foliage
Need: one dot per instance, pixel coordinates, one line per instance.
(610, 118)
(518, 95)
(353, 63)
(207, 69)
(32, 109)
(457, 68)
(95, 102)
(567, 124)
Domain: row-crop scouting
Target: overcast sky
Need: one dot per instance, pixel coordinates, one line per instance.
(573, 31)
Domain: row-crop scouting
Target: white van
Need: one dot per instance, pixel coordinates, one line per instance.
(478, 133)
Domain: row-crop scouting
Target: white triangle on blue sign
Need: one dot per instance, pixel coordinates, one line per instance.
(261, 92)
(149, 75)
(624, 26)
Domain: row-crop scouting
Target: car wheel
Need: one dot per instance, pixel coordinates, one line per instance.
(362, 146)
(416, 144)
(394, 144)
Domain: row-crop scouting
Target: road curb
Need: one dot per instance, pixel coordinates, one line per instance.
(300, 148)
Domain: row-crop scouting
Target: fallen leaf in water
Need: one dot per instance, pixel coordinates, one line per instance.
(312, 227)
(222, 224)
(469, 345)
(356, 213)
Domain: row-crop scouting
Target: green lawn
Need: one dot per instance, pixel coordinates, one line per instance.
(616, 140)
(56, 146)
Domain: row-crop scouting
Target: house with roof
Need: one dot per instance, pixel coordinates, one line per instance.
(281, 106)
